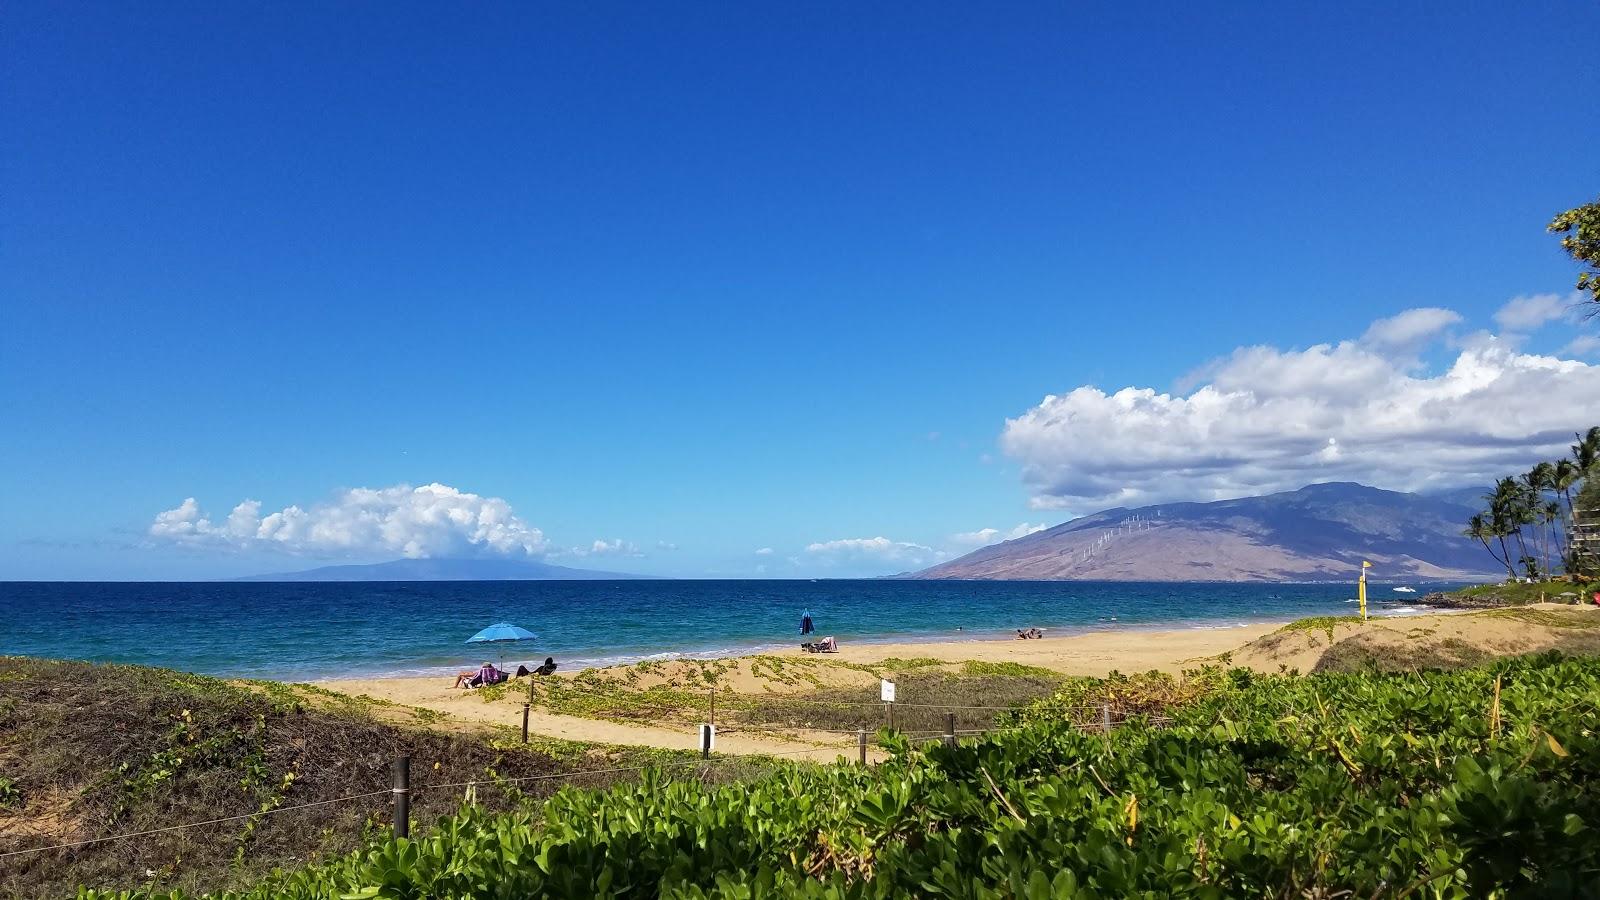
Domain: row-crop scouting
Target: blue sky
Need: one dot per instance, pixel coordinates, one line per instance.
(710, 280)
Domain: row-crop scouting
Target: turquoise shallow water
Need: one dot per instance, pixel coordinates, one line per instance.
(309, 630)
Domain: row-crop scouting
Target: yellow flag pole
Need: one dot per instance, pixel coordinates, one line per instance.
(1363, 588)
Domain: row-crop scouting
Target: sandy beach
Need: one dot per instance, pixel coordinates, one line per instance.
(790, 675)
(1094, 653)
(1090, 653)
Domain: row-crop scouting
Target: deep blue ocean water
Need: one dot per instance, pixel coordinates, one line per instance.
(317, 630)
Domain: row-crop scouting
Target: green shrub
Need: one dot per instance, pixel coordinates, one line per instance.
(1474, 783)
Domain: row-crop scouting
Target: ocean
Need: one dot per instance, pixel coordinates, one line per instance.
(307, 631)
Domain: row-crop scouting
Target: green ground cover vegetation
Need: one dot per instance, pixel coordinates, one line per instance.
(1481, 782)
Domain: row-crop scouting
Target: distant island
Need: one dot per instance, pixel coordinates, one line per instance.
(1321, 532)
(446, 570)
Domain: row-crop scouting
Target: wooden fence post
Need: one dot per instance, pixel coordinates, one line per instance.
(402, 795)
(949, 729)
(861, 742)
(525, 708)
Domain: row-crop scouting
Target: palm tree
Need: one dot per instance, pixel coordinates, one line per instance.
(1509, 510)
(1586, 452)
(1551, 515)
(1564, 474)
(1535, 483)
(1481, 530)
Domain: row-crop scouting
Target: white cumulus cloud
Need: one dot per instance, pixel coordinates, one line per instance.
(1269, 419)
(764, 551)
(1529, 313)
(614, 547)
(603, 547)
(434, 520)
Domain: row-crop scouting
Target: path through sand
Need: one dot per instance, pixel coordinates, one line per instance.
(467, 706)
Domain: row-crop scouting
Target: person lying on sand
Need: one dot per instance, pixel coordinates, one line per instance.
(1030, 634)
(486, 674)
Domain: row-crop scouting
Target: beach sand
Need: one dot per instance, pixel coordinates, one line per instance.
(1094, 653)
(1440, 638)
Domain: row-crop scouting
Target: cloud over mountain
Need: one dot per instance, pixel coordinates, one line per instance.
(985, 536)
(1265, 419)
(434, 520)
(874, 550)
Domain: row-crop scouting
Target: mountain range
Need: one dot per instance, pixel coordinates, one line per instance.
(445, 570)
(1321, 532)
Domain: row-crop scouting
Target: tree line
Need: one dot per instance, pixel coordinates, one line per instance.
(1533, 520)
(1528, 523)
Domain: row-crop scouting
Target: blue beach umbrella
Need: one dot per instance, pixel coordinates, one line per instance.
(502, 633)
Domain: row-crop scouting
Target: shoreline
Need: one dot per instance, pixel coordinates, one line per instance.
(903, 642)
(1094, 651)
(849, 644)
(321, 633)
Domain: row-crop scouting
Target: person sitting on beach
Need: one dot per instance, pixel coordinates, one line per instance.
(549, 667)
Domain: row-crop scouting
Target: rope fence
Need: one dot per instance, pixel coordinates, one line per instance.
(801, 701)
(222, 821)
(403, 788)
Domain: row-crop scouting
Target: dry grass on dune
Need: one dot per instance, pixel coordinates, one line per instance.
(1343, 644)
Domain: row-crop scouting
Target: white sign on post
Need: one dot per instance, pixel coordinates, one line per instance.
(888, 691)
